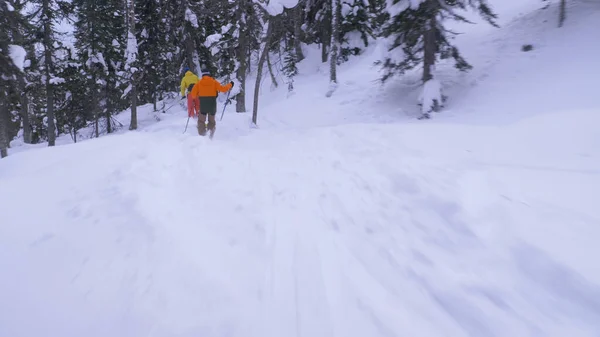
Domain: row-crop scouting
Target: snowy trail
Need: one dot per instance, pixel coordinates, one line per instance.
(317, 234)
(305, 229)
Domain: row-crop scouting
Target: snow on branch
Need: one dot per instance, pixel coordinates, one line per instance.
(395, 7)
(131, 52)
(17, 54)
(191, 18)
(276, 7)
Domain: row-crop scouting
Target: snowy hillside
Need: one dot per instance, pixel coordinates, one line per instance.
(339, 216)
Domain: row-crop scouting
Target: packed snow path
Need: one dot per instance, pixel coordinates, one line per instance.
(345, 231)
(422, 229)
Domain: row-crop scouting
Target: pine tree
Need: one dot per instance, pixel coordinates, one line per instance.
(9, 53)
(355, 29)
(20, 29)
(156, 74)
(131, 63)
(171, 56)
(417, 27)
(290, 70)
(100, 34)
(218, 37)
(247, 28)
(297, 18)
(46, 19)
(318, 25)
(71, 113)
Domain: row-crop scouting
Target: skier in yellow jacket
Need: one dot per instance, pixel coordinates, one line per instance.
(187, 82)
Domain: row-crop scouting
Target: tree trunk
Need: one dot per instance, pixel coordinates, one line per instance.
(48, 65)
(429, 48)
(109, 107)
(298, 31)
(94, 104)
(325, 38)
(133, 92)
(240, 98)
(261, 62)
(273, 78)
(3, 127)
(335, 26)
(27, 131)
(335, 19)
(92, 83)
(562, 15)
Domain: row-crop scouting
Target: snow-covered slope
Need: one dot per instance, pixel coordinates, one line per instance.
(344, 231)
(325, 221)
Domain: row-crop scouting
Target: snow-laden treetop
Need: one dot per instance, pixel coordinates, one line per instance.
(275, 7)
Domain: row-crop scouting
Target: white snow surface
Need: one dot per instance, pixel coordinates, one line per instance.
(338, 217)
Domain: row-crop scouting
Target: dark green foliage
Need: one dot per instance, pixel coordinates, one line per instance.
(290, 70)
(356, 20)
(100, 34)
(407, 30)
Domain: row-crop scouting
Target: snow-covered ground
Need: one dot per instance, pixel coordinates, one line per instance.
(339, 216)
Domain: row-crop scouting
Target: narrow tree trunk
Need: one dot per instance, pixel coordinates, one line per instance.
(429, 49)
(92, 83)
(27, 132)
(273, 79)
(326, 38)
(133, 92)
(3, 127)
(48, 65)
(335, 20)
(261, 62)
(241, 55)
(298, 31)
(109, 107)
(94, 104)
(563, 13)
(334, 40)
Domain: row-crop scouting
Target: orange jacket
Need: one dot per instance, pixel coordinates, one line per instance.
(209, 87)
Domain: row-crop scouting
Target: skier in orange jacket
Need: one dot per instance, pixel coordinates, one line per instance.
(206, 90)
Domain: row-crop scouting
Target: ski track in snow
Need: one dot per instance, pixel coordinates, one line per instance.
(305, 229)
(231, 237)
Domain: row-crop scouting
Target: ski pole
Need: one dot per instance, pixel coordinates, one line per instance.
(225, 105)
(186, 124)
